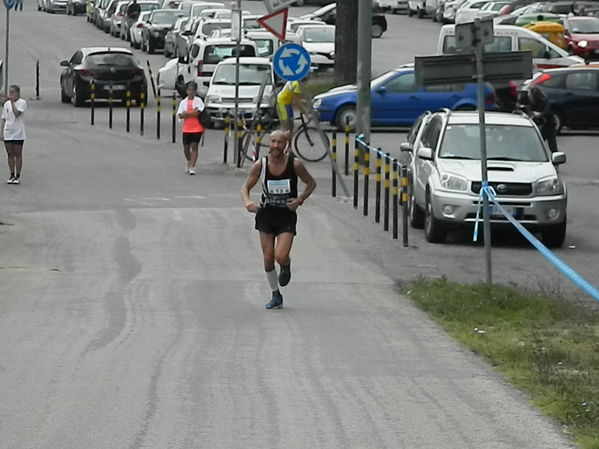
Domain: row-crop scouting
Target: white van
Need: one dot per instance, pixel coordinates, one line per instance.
(220, 98)
(204, 56)
(508, 38)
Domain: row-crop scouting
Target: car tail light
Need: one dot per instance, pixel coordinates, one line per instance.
(139, 72)
(200, 67)
(85, 72)
(541, 78)
(505, 10)
(512, 89)
(490, 98)
(139, 25)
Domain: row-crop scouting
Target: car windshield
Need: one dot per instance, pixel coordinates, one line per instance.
(249, 74)
(382, 78)
(209, 27)
(110, 60)
(148, 6)
(165, 17)
(216, 53)
(504, 143)
(319, 35)
(265, 46)
(585, 26)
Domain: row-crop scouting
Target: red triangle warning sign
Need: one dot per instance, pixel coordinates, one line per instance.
(276, 23)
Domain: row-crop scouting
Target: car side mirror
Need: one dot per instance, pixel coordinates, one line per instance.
(558, 158)
(64, 63)
(405, 146)
(425, 153)
(382, 90)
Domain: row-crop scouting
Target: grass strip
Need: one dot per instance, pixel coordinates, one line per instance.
(546, 346)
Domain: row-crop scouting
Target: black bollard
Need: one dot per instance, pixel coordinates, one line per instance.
(92, 97)
(142, 107)
(377, 180)
(158, 100)
(110, 93)
(387, 186)
(174, 118)
(334, 158)
(395, 199)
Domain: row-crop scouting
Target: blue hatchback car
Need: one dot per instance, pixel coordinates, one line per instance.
(397, 101)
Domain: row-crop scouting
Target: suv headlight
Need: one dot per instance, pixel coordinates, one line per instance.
(214, 99)
(316, 104)
(450, 181)
(551, 185)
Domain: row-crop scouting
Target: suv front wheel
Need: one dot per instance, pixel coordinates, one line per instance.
(434, 231)
(415, 213)
(554, 236)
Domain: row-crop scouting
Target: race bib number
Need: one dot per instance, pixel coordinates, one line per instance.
(279, 187)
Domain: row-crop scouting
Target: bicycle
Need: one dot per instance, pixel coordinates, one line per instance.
(309, 142)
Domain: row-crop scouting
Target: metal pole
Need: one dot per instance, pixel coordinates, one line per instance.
(364, 68)
(356, 172)
(110, 93)
(174, 118)
(333, 173)
(478, 47)
(158, 115)
(346, 132)
(37, 79)
(92, 97)
(237, 10)
(387, 186)
(128, 106)
(366, 179)
(258, 142)
(404, 203)
(226, 140)
(395, 200)
(377, 180)
(142, 107)
(6, 52)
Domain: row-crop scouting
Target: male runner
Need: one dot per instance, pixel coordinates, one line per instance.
(276, 216)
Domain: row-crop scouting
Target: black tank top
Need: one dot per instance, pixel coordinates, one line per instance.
(277, 190)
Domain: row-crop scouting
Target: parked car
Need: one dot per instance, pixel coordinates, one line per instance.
(396, 100)
(193, 9)
(220, 98)
(156, 27)
(126, 23)
(582, 36)
(266, 43)
(135, 37)
(107, 67)
(393, 6)
(573, 95)
(75, 7)
(469, 11)
(170, 40)
(328, 14)
(105, 14)
(446, 177)
(416, 7)
(319, 41)
(201, 62)
(450, 9)
(53, 6)
(117, 17)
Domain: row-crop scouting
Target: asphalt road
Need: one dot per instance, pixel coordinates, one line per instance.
(131, 302)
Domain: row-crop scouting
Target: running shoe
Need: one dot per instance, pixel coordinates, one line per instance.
(276, 302)
(192, 170)
(16, 181)
(285, 274)
(10, 180)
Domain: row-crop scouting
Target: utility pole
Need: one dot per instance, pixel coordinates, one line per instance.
(236, 34)
(364, 71)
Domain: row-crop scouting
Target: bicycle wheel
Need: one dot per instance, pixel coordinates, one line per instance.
(308, 144)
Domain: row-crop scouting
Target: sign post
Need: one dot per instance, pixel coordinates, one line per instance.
(472, 63)
(236, 36)
(9, 4)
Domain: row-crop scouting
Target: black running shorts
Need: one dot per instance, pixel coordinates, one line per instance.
(189, 138)
(276, 220)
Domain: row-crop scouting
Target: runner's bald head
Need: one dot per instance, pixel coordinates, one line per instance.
(280, 134)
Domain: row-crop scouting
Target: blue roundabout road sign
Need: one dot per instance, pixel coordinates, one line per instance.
(291, 62)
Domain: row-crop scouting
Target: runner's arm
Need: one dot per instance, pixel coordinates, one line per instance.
(250, 182)
(307, 179)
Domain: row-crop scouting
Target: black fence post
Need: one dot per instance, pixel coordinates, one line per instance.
(92, 97)
(37, 79)
(239, 138)
(227, 130)
(128, 106)
(142, 107)
(258, 141)
(404, 203)
(110, 93)
(174, 118)
(377, 180)
(158, 101)
(387, 187)
(366, 179)
(334, 157)
(395, 199)
(346, 139)
(356, 172)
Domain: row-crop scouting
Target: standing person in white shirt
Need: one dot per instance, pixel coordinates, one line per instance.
(13, 132)
(189, 112)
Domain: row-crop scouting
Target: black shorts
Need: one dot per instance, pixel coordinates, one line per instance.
(276, 220)
(189, 138)
(15, 142)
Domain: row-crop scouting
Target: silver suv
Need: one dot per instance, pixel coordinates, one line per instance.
(446, 174)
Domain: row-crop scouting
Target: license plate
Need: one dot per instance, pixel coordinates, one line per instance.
(115, 87)
(514, 211)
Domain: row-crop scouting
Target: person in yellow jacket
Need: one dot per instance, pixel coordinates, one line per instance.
(288, 99)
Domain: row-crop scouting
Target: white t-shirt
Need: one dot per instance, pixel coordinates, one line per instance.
(14, 127)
